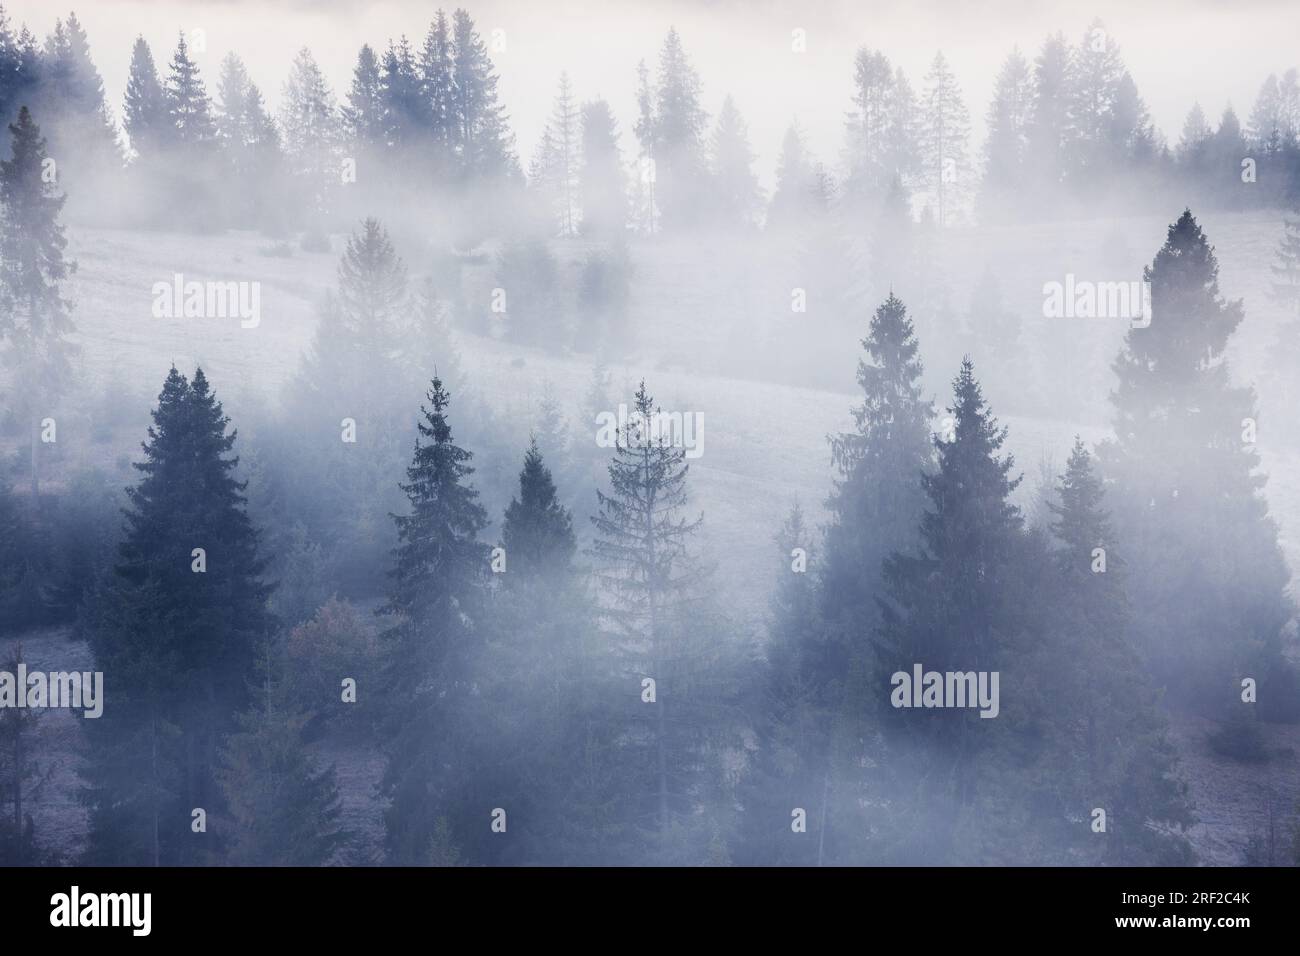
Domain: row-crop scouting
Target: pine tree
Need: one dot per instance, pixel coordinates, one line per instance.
(645, 565)
(363, 116)
(538, 530)
(1107, 745)
(309, 120)
(867, 150)
(72, 106)
(676, 135)
(1048, 136)
(564, 127)
(1187, 491)
(249, 139)
(737, 192)
(482, 138)
(34, 314)
(791, 770)
(432, 646)
(406, 119)
(1265, 126)
(1095, 76)
(147, 121)
(284, 808)
(188, 105)
(602, 184)
(945, 129)
(951, 606)
(437, 65)
(175, 633)
(1008, 122)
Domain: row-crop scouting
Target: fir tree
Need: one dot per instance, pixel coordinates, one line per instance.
(676, 135)
(432, 647)
(481, 136)
(645, 565)
(951, 606)
(284, 808)
(34, 314)
(1008, 122)
(602, 186)
(945, 129)
(147, 121)
(538, 530)
(437, 65)
(175, 632)
(310, 123)
(1188, 490)
(188, 106)
(737, 192)
(364, 116)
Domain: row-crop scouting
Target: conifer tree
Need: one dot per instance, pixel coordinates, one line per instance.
(650, 582)
(1107, 745)
(867, 148)
(72, 107)
(538, 530)
(953, 605)
(309, 121)
(405, 108)
(671, 131)
(437, 64)
(34, 314)
(188, 105)
(364, 116)
(1187, 491)
(249, 140)
(21, 777)
(945, 129)
(602, 184)
(792, 197)
(482, 138)
(564, 127)
(1008, 122)
(284, 807)
(175, 633)
(433, 645)
(147, 122)
(1047, 134)
(737, 192)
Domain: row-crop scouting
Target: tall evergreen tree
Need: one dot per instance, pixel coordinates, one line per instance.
(953, 605)
(175, 633)
(538, 531)
(437, 67)
(145, 112)
(432, 647)
(945, 129)
(311, 132)
(1007, 122)
(602, 184)
(1187, 490)
(188, 105)
(363, 117)
(481, 135)
(736, 191)
(34, 313)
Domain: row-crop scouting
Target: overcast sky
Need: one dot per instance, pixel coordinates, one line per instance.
(1179, 51)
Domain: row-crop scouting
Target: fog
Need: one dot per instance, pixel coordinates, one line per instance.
(863, 437)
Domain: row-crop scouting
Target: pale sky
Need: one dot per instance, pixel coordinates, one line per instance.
(1179, 51)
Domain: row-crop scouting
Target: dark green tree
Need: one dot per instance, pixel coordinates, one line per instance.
(175, 633)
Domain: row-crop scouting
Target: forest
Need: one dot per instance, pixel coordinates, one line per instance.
(356, 507)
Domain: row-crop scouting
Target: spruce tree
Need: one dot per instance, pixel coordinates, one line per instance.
(310, 123)
(650, 582)
(673, 134)
(21, 776)
(175, 632)
(1007, 121)
(147, 122)
(792, 199)
(72, 107)
(284, 808)
(602, 185)
(867, 140)
(364, 116)
(434, 643)
(1187, 490)
(538, 531)
(953, 606)
(1106, 743)
(438, 88)
(945, 130)
(34, 314)
(188, 105)
(481, 136)
(737, 193)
